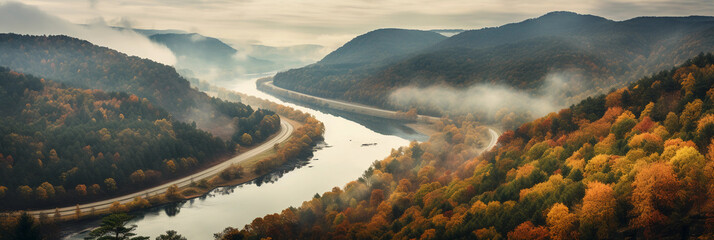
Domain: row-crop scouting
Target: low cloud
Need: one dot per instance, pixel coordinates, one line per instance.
(24, 19)
(197, 38)
(93, 3)
(488, 102)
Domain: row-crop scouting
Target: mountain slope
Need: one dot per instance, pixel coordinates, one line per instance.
(60, 144)
(381, 44)
(635, 163)
(201, 53)
(332, 76)
(81, 64)
(195, 45)
(550, 25)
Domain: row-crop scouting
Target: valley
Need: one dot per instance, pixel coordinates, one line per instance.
(234, 120)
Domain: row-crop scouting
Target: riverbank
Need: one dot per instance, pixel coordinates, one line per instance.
(391, 191)
(235, 174)
(158, 195)
(266, 85)
(246, 171)
(341, 159)
(249, 165)
(420, 123)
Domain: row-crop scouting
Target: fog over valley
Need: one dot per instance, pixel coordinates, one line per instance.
(492, 103)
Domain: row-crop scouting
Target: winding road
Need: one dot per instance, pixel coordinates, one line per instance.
(494, 138)
(284, 134)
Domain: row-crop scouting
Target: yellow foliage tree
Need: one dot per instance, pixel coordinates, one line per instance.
(561, 223)
(655, 188)
(688, 84)
(646, 112)
(117, 207)
(597, 164)
(597, 215)
(172, 192)
(691, 113)
(246, 139)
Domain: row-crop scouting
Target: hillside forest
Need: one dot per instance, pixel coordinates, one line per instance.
(81, 64)
(636, 162)
(61, 144)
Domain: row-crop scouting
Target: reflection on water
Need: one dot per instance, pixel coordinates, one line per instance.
(379, 125)
(340, 159)
(173, 209)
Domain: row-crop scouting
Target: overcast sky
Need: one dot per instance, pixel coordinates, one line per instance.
(333, 22)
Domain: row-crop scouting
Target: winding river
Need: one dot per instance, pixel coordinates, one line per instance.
(340, 159)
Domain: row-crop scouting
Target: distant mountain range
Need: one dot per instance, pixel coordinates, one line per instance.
(203, 54)
(599, 54)
(285, 57)
(212, 59)
(381, 45)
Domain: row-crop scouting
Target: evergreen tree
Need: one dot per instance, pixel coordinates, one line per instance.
(114, 227)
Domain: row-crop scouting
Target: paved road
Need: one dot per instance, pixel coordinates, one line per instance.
(342, 105)
(494, 139)
(285, 132)
(362, 109)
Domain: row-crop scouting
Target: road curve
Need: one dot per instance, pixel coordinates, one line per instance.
(285, 132)
(494, 139)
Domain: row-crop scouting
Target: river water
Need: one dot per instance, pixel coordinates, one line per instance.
(340, 159)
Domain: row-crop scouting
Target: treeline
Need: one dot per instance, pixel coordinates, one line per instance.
(60, 144)
(635, 163)
(81, 64)
(300, 144)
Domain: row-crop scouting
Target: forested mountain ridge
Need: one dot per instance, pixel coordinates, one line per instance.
(81, 64)
(550, 24)
(60, 144)
(602, 53)
(635, 163)
(192, 44)
(382, 44)
(361, 55)
(201, 53)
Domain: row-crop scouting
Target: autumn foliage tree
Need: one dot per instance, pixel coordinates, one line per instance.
(656, 193)
(562, 224)
(633, 165)
(527, 230)
(67, 136)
